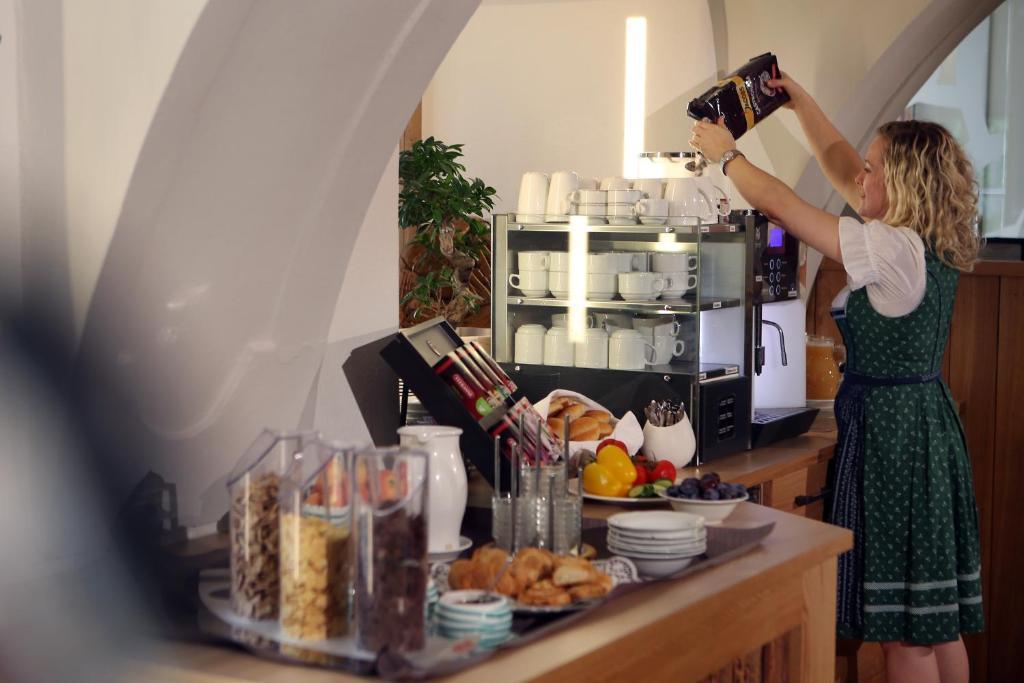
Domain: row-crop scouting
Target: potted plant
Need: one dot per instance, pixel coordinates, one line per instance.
(448, 242)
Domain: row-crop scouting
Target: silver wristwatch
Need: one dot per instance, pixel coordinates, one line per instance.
(729, 155)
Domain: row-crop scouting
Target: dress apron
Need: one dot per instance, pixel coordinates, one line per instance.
(846, 474)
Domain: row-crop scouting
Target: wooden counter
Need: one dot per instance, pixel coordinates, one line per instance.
(783, 591)
(770, 613)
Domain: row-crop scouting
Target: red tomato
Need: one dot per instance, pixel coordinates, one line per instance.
(663, 470)
(641, 475)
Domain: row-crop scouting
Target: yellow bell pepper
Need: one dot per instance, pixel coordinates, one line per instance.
(612, 475)
(598, 479)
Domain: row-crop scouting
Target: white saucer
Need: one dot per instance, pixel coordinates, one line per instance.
(449, 555)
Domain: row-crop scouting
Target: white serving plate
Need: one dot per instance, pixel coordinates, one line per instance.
(656, 521)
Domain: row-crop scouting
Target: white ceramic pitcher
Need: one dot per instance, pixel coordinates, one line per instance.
(448, 489)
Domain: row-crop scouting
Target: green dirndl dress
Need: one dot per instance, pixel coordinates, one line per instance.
(901, 478)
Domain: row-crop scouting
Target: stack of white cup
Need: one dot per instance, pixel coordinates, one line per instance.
(676, 269)
(662, 335)
(590, 203)
(532, 278)
(558, 273)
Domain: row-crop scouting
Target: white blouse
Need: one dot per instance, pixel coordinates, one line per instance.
(888, 261)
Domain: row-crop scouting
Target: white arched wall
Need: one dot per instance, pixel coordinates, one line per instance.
(242, 217)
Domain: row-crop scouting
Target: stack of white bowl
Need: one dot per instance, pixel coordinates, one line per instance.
(464, 613)
(659, 542)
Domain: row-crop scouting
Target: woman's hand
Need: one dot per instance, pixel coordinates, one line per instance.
(796, 92)
(711, 139)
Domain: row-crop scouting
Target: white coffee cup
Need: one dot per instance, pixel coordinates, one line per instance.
(652, 187)
(624, 196)
(662, 336)
(665, 348)
(558, 282)
(602, 263)
(668, 262)
(639, 261)
(589, 183)
(678, 283)
(558, 350)
(533, 260)
(588, 197)
(610, 322)
(558, 260)
(595, 212)
(640, 286)
(529, 344)
(614, 183)
(532, 283)
(592, 352)
(652, 326)
(602, 286)
(533, 197)
(627, 350)
(652, 211)
(621, 210)
(562, 320)
(562, 183)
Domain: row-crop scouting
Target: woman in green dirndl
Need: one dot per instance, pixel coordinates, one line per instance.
(901, 477)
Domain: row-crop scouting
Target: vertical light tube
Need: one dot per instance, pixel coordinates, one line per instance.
(635, 95)
(578, 245)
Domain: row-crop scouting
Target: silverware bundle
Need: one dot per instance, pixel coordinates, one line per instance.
(665, 413)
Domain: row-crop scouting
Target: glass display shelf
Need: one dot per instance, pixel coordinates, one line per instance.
(686, 305)
(700, 371)
(677, 225)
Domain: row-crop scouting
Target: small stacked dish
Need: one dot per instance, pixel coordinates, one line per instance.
(430, 604)
(659, 542)
(462, 613)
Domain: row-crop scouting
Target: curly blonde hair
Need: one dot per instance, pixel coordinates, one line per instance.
(931, 189)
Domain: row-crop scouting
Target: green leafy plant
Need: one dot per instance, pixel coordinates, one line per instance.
(450, 238)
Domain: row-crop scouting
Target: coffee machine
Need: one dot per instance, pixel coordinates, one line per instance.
(778, 356)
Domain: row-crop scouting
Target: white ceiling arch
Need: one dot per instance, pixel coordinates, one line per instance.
(215, 298)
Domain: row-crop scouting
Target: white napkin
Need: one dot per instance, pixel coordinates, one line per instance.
(627, 429)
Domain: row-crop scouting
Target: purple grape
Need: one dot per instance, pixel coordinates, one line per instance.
(711, 494)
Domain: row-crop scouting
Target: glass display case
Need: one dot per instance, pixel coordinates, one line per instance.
(627, 314)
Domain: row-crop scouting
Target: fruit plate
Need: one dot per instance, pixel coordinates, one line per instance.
(614, 500)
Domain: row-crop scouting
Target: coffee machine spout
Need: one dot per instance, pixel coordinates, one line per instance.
(782, 339)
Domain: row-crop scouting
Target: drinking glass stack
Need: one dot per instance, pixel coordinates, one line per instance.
(538, 510)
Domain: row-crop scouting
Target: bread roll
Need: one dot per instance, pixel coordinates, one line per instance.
(557, 405)
(602, 416)
(574, 410)
(605, 430)
(584, 429)
(557, 426)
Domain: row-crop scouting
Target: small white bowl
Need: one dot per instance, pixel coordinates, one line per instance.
(660, 568)
(714, 511)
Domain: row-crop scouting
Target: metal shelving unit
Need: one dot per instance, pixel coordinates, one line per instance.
(714, 319)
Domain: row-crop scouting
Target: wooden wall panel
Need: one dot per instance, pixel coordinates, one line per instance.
(1006, 599)
(972, 355)
(830, 281)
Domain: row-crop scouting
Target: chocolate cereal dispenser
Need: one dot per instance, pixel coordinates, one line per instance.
(743, 98)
